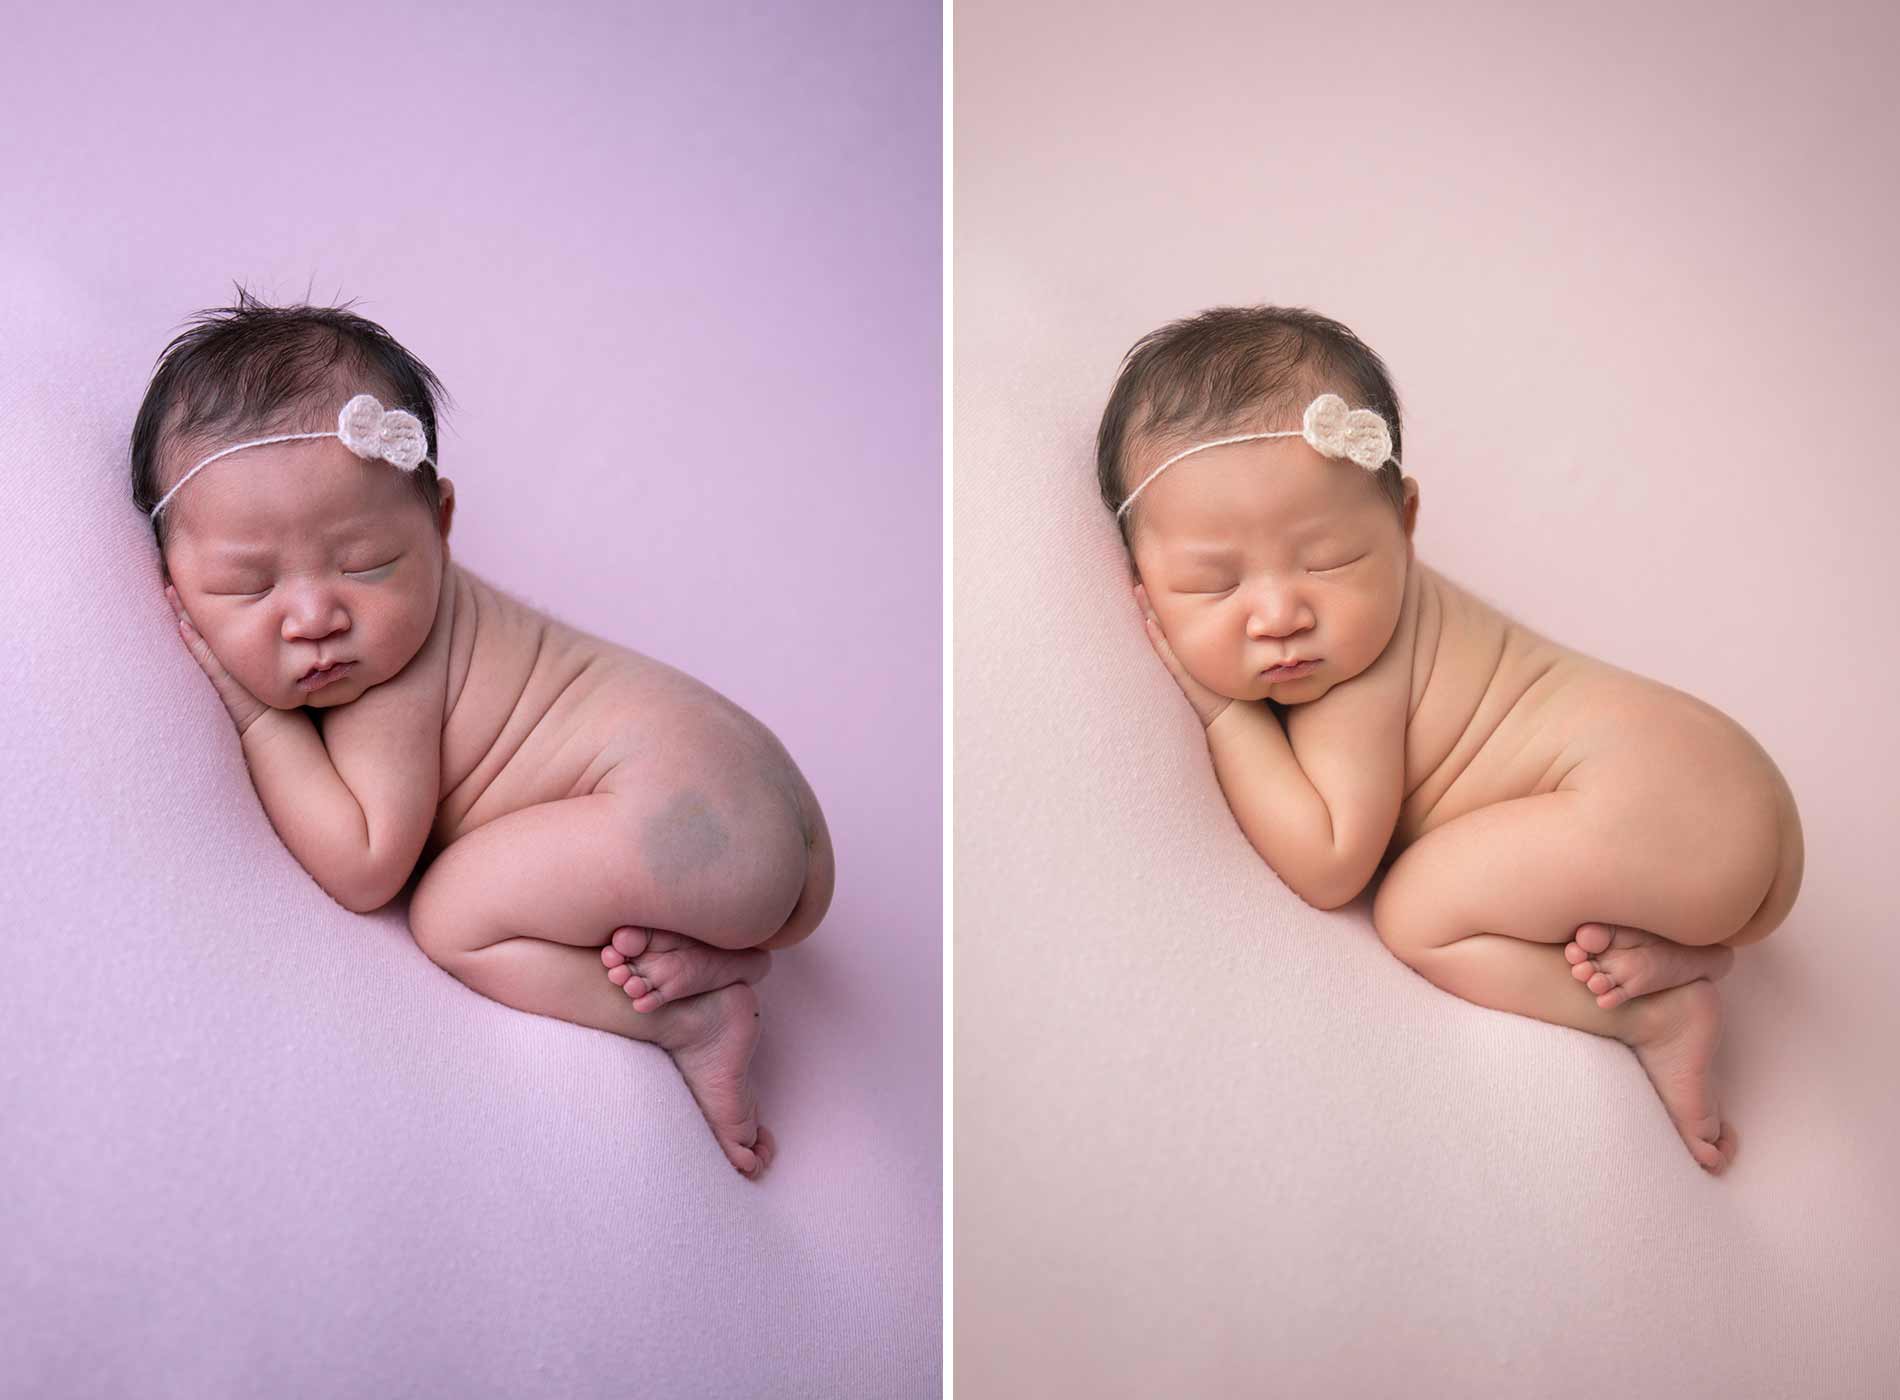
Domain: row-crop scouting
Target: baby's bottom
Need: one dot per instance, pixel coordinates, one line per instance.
(1483, 905)
(520, 908)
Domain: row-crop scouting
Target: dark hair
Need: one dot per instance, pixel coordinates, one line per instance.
(1238, 369)
(256, 370)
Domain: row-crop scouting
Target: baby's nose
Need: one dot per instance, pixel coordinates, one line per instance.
(309, 617)
(1272, 613)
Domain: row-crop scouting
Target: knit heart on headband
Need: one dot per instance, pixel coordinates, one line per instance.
(370, 430)
(1338, 431)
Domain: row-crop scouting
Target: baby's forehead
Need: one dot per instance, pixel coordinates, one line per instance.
(1191, 532)
(239, 529)
(292, 482)
(1282, 482)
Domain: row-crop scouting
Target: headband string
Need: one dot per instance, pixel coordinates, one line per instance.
(1356, 434)
(364, 426)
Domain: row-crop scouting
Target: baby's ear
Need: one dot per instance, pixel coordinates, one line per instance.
(446, 510)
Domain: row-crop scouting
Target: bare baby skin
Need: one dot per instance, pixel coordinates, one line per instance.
(592, 835)
(1559, 838)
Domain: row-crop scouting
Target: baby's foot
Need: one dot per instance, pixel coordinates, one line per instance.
(711, 1038)
(653, 966)
(1675, 1039)
(1618, 962)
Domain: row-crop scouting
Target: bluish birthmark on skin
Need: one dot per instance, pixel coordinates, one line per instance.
(683, 836)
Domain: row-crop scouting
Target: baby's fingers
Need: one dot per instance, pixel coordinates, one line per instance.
(1158, 639)
(185, 629)
(243, 706)
(1160, 643)
(178, 611)
(1198, 695)
(1205, 702)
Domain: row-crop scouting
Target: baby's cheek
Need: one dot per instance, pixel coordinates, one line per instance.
(1208, 651)
(406, 631)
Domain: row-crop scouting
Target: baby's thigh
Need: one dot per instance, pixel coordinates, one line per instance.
(1631, 839)
(1706, 805)
(716, 814)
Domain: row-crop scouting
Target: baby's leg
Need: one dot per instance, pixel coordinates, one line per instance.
(1618, 962)
(519, 907)
(1482, 905)
(654, 966)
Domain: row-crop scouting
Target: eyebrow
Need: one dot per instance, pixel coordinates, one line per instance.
(1202, 549)
(1317, 526)
(258, 551)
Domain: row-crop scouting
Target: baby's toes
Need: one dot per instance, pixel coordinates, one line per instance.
(742, 1145)
(639, 990)
(1593, 938)
(1601, 983)
(690, 968)
(745, 1159)
(1574, 954)
(626, 977)
(630, 942)
(667, 972)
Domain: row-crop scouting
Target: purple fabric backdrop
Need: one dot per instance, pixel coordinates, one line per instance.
(680, 269)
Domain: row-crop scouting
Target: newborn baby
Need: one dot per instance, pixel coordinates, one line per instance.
(1560, 838)
(601, 838)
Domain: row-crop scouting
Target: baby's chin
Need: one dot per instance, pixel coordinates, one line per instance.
(338, 692)
(327, 699)
(1293, 692)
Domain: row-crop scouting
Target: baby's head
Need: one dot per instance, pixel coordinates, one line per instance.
(291, 554)
(1267, 551)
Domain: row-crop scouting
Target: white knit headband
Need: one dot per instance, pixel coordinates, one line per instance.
(1334, 430)
(364, 426)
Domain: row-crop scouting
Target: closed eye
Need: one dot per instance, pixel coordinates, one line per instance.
(352, 573)
(1332, 568)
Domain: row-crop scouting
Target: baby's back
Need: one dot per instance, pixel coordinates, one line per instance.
(538, 710)
(1500, 711)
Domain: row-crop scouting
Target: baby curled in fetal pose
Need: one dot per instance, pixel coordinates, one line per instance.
(1559, 838)
(600, 838)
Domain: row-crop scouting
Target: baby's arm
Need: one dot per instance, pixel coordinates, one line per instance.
(355, 800)
(1280, 812)
(1279, 809)
(1351, 743)
(1318, 798)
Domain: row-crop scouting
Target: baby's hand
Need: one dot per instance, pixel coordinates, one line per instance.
(1206, 703)
(245, 707)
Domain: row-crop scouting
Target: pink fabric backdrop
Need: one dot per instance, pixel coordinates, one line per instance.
(1632, 268)
(681, 270)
